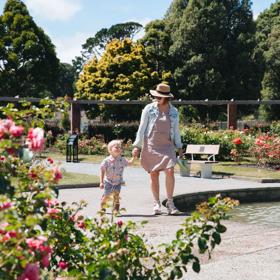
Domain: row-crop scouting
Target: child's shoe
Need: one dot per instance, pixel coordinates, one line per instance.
(157, 209)
(171, 208)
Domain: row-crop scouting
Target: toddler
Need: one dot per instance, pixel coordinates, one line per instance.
(111, 174)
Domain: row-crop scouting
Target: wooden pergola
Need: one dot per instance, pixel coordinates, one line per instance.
(76, 105)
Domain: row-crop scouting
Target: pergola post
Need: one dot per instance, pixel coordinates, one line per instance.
(231, 116)
(75, 117)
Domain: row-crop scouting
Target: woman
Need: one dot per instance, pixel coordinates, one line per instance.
(158, 136)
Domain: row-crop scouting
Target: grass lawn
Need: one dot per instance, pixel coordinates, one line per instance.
(228, 168)
(77, 178)
(243, 170)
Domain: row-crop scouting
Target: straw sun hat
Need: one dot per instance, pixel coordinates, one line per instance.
(162, 90)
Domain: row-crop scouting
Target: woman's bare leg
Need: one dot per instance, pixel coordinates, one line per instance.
(169, 182)
(155, 184)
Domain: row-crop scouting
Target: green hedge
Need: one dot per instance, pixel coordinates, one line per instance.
(110, 131)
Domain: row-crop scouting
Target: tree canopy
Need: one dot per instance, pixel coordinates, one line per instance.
(121, 73)
(268, 57)
(213, 50)
(94, 46)
(28, 62)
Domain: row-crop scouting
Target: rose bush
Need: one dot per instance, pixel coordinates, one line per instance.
(41, 238)
(225, 138)
(267, 150)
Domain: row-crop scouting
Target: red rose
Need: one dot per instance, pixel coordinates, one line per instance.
(237, 141)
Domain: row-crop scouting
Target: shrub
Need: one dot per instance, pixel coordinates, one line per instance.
(267, 150)
(202, 135)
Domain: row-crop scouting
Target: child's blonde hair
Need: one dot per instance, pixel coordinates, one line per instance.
(113, 143)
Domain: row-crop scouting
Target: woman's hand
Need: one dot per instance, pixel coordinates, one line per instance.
(101, 185)
(180, 152)
(135, 152)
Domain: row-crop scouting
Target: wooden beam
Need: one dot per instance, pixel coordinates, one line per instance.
(75, 118)
(232, 116)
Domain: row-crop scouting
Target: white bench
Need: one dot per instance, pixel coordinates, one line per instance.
(210, 151)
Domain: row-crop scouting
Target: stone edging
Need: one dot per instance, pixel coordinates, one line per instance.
(78, 186)
(258, 180)
(185, 202)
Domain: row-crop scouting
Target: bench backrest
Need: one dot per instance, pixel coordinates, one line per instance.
(203, 149)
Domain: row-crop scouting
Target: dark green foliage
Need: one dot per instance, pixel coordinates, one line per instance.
(212, 50)
(268, 57)
(28, 63)
(66, 80)
(157, 42)
(112, 131)
(94, 46)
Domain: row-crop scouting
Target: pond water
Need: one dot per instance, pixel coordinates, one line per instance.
(258, 213)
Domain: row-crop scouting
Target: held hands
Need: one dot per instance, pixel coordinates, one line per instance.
(180, 152)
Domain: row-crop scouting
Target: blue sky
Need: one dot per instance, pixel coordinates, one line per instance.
(70, 22)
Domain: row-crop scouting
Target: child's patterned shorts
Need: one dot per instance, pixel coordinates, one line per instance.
(109, 188)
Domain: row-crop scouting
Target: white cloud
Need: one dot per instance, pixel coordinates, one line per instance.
(54, 9)
(69, 47)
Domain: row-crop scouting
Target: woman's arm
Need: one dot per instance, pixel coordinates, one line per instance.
(142, 128)
(177, 135)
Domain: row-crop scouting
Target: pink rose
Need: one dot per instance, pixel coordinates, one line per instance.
(52, 212)
(7, 123)
(5, 205)
(63, 265)
(12, 234)
(51, 202)
(120, 223)
(35, 243)
(45, 261)
(81, 225)
(31, 272)
(57, 175)
(50, 160)
(16, 131)
(35, 139)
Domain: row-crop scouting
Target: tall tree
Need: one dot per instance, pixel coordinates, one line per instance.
(213, 50)
(66, 80)
(157, 42)
(159, 36)
(28, 62)
(268, 57)
(121, 73)
(95, 46)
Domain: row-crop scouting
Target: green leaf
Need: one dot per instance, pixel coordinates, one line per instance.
(217, 237)
(31, 220)
(202, 244)
(196, 267)
(213, 200)
(179, 233)
(221, 228)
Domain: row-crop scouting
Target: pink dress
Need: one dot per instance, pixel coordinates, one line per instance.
(158, 151)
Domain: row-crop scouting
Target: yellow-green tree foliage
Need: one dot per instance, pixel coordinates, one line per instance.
(121, 73)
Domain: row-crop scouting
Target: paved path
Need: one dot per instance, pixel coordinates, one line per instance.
(247, 251)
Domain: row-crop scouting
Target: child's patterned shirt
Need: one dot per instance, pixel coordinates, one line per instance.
(113, 168)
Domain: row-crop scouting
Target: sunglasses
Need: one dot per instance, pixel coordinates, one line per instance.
(159, 98)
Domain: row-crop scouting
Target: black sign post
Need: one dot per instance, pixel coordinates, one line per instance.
(72, 148)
